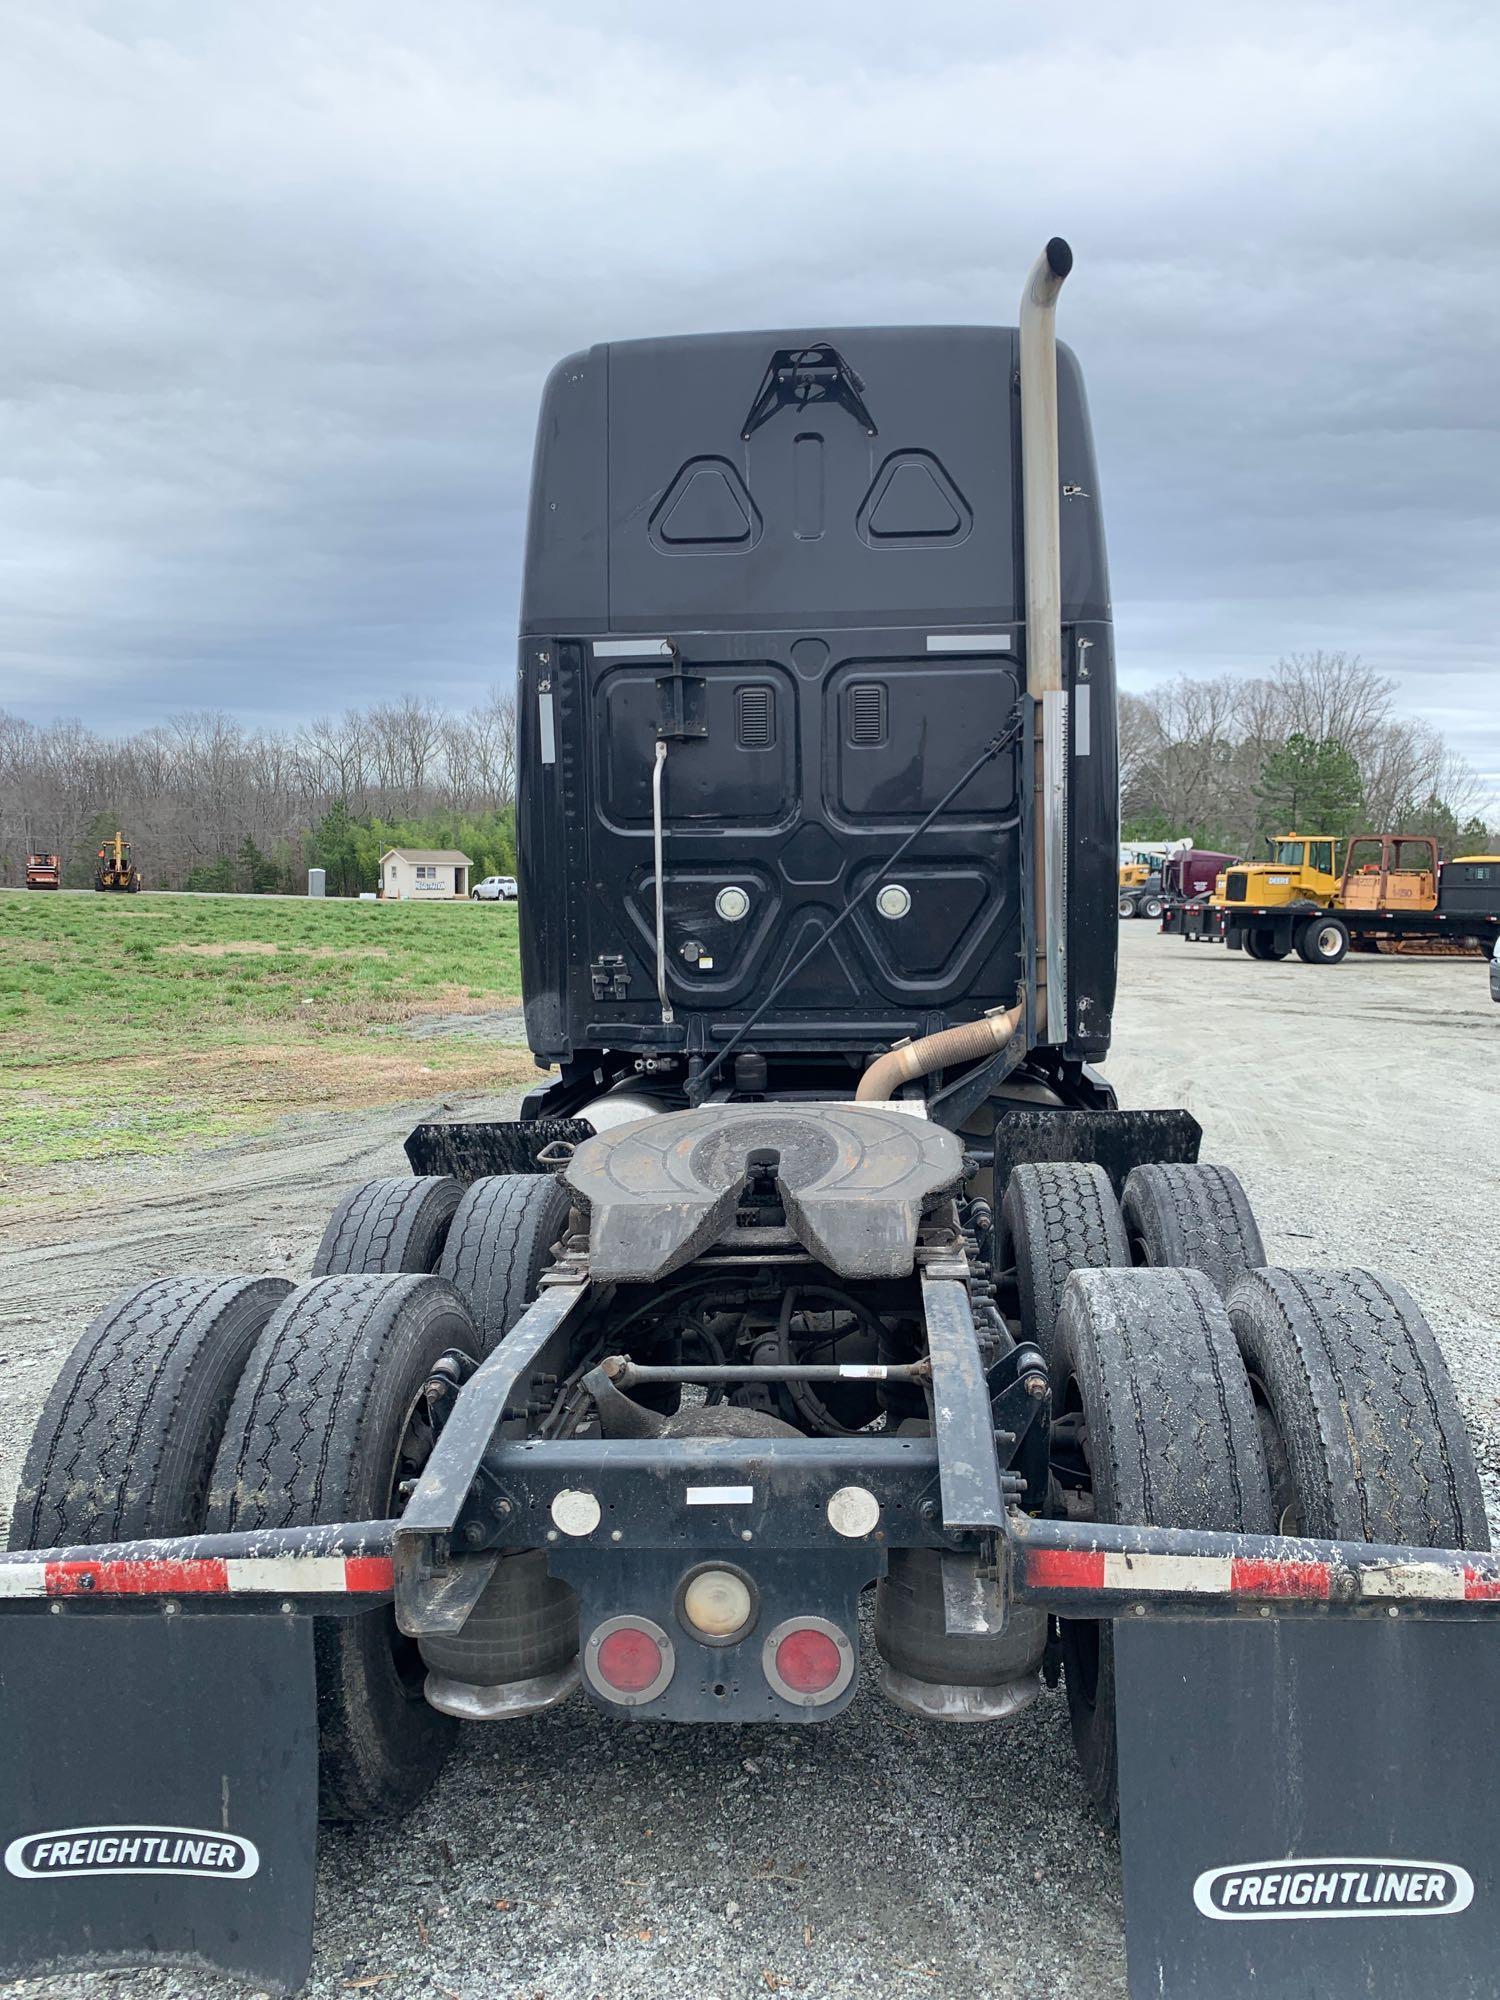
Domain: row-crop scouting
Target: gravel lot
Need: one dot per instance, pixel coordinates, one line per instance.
(569, 1857)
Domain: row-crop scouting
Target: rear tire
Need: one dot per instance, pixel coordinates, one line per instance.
(1170, 1437)
(1322, 941)
(126, 1440)
(1126, 906)
(1363, 1430)
(500, 1244)
(1192, 1216)
(1151, 906)
(1057, 1218)
(1263, 945)
(327, 1417)
(388, 1226)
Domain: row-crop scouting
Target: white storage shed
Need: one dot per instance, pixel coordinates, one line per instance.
(423, 875)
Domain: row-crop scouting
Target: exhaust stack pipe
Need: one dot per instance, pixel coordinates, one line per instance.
(1041, 505)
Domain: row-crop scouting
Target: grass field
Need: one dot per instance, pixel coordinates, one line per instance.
(136, 1024)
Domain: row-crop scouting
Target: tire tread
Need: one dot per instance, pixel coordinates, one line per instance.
(397, 1223)
(1058, 1217)
(98, 1466)
(1392, 1462)
(498, 1246)
(1196, 1215)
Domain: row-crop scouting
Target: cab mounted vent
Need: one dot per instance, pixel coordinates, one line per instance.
(867, 713)
(755, 718)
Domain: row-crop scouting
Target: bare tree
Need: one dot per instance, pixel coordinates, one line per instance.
(191, 791)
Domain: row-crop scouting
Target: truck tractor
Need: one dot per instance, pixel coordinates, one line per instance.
(115, 870)
(1141, 877)
(1193, 874)
(822, 1330)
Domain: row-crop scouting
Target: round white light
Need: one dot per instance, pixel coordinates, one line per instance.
(853, 1511)
(732, 904)
(717, 1603)
(893, 901)
(575, 1511)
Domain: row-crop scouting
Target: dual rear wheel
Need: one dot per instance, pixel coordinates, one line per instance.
(491, 1240)
(1310, 1403)
(1193, 1387)
(208, 1405)
(1060, 1216)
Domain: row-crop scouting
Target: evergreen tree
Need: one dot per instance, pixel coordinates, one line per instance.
(1309, 786)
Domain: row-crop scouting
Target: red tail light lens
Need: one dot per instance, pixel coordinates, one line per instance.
(808, 1661)
(629, 1660)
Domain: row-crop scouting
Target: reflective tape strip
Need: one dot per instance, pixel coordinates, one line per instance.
(201, 1576)
(968, 642)
(1171, 1575)
(287, 1573)
(1412, 1580)
(362, 1573)
(1091, 1572)
(154, 1577)
(1064, 1569)
(23, 1580)
(1251, 1577)
(718, 1496)
(632, 649)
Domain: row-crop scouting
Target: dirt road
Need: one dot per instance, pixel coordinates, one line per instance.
(568, 1857)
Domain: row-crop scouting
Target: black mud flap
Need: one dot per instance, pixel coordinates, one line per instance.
(1117, 1140)
(1308, 1808)
(158, 1793)
(469, 1151)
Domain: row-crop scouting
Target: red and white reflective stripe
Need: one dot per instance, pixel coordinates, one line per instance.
(1093, 1571)
(201, 1576)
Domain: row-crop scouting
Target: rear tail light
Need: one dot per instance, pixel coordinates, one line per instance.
(808, 1661)
(628, 1660)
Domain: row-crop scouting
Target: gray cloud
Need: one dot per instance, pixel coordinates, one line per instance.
(283, 282)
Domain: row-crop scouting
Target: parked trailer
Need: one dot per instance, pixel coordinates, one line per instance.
(826, 1263)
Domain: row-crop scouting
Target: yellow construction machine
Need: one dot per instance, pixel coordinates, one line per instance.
(115, 868)
(1303, 868)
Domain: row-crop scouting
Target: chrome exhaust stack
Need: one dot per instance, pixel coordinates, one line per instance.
(1041, 524)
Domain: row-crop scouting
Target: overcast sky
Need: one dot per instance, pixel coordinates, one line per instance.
(282, 281)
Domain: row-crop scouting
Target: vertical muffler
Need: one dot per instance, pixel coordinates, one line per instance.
(1041, 527)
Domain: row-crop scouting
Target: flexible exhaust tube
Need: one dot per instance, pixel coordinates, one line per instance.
(952, 1045)
(1041, 505)
(658, 770)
